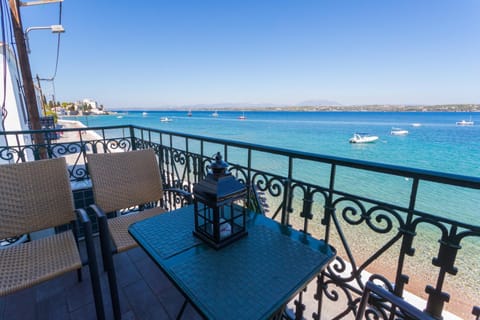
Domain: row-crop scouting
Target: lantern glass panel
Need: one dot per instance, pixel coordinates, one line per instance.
(220, 210)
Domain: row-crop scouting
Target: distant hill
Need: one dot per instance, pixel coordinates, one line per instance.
(232, 105)
(250, 105)
(317, 103)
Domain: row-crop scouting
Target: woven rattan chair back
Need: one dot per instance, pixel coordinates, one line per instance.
(29, 191)
(125, 179)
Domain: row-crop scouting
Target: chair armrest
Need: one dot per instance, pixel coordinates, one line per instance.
(98, 212)
(82, 216)
(86, 224)
(103, 232)
(181, 193)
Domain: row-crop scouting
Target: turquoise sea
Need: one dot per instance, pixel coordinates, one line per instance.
(435, 143)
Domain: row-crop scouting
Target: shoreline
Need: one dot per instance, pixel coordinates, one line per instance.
(68, 136)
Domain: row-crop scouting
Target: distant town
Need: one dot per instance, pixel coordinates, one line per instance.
(84, 107)
(389, 108)
(92, 107)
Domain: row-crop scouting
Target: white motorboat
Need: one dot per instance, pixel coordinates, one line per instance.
(215, 114)
(398, 132)
(166, 119)
(144, 114)
(465, 123)
(363, 138)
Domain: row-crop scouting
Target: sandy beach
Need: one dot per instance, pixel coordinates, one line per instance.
(84, 135)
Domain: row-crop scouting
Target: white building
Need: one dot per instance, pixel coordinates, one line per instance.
(16, 118)
(95, 107)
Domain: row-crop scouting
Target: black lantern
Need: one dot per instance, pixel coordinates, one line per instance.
(220, 206)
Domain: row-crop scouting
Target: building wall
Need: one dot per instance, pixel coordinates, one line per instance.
(17, 116)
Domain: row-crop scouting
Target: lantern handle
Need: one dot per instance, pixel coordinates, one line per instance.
(219, 160)
(219, 167)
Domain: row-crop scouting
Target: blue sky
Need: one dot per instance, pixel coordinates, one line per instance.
(149, 54)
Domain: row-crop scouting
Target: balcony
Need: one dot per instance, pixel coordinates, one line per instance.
(425, 256)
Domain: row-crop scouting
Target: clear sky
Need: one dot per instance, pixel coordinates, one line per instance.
(157, 53)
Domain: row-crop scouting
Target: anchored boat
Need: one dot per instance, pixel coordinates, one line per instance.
(398, 132)
(465, 123)
(363, 138)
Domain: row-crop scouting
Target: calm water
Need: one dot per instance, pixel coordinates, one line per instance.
(437, 144)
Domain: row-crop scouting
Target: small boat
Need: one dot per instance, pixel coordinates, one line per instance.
(362, 138)
(215, 114)
(465, 123)
(242, 117)
(119, 117)
(166, 119)
(398, 132)
(189, 114)
(416, 124)
(144, 114)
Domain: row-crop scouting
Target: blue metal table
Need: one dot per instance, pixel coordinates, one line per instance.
(252, 278)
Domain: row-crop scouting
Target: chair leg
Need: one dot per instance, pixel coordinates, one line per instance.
(94, 273)
(109, 266)
(104, 236)
(75, 230)
(112, 282)
(79, 275)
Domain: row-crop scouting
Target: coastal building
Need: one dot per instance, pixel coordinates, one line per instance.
(87, 106)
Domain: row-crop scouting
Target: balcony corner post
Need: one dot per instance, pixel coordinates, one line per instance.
(287, 201)
(132, 137)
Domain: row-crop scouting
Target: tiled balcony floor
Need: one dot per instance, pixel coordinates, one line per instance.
(145, 293)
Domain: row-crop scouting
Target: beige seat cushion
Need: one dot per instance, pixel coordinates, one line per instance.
(119, 227)
(27, 264)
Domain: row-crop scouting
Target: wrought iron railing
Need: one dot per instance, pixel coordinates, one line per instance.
(375, 215)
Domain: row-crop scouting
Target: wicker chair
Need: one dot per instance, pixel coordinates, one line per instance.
(37, 196)
(124, 181)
